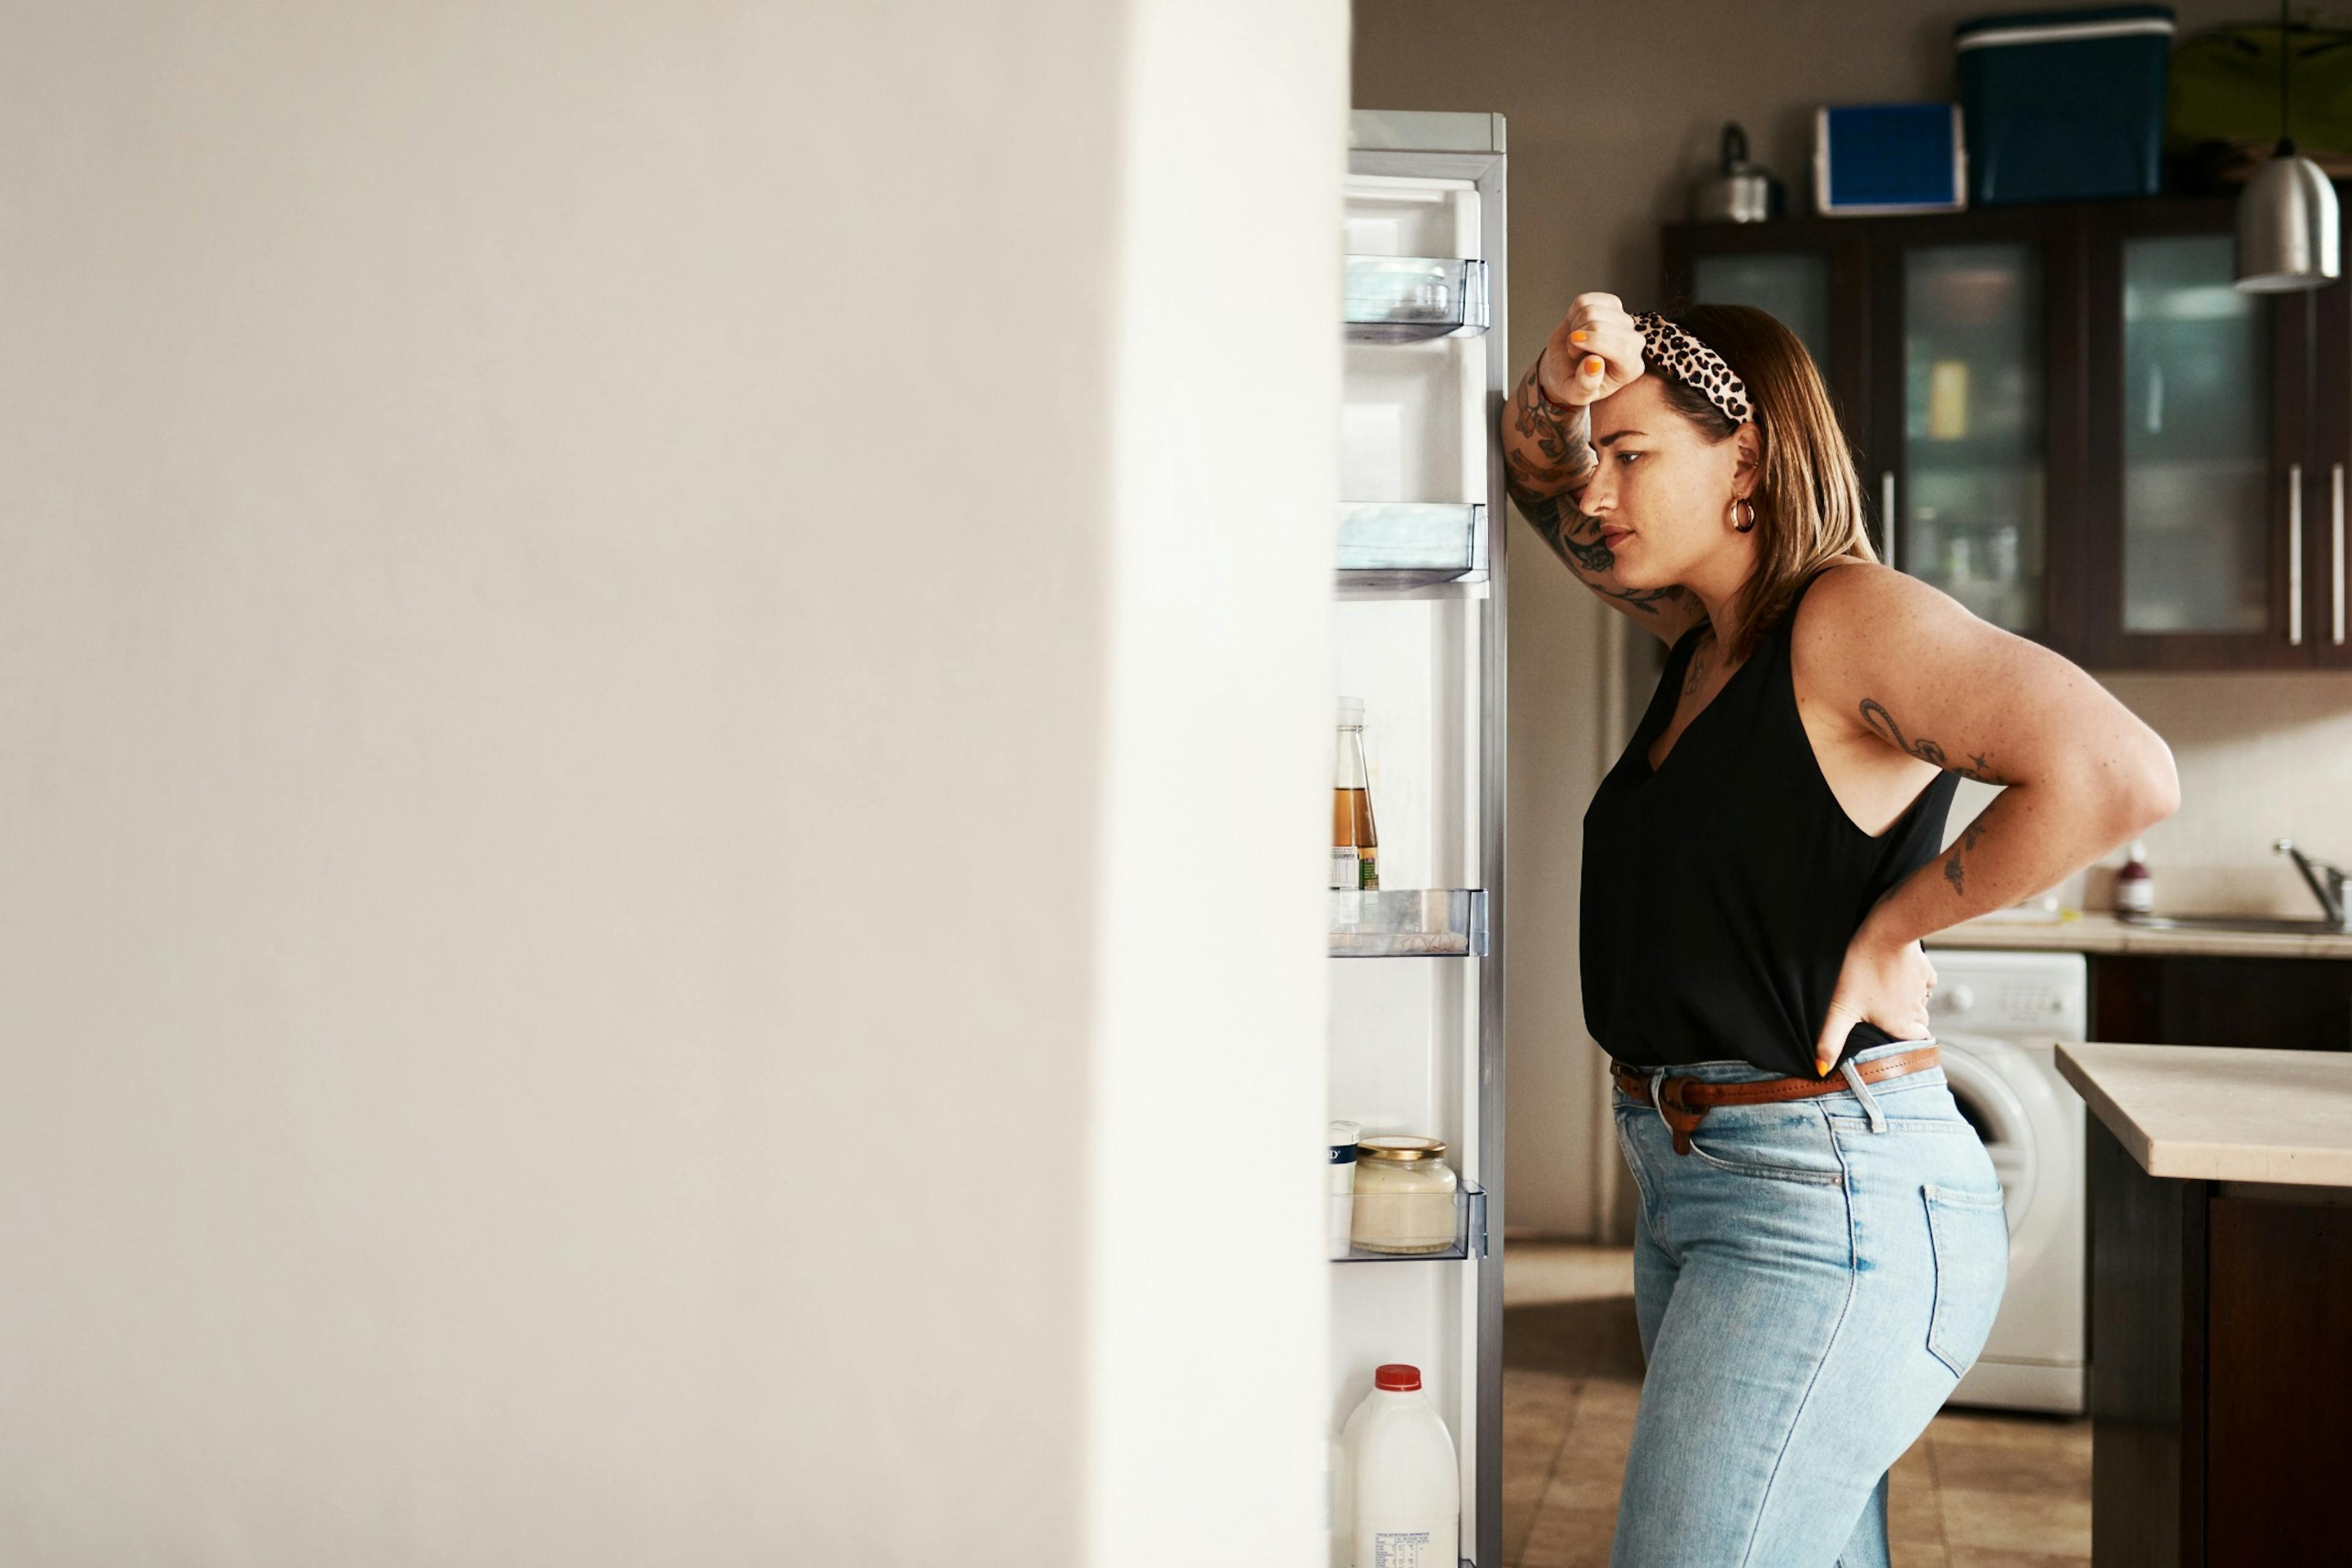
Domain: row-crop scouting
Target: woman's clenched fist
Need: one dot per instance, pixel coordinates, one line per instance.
(1591, 354)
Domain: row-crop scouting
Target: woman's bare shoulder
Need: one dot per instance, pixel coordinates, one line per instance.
(1855, 604)
(1864, 627)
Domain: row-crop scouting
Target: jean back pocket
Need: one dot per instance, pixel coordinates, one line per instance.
(1969, 1234)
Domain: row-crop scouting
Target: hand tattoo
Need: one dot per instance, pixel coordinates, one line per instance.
(1874, 714)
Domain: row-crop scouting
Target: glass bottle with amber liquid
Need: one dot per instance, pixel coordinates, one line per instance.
(1355, 844)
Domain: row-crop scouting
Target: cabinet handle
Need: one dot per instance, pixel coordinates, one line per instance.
(2294, 554)
(2335, 553)
(1886, 513)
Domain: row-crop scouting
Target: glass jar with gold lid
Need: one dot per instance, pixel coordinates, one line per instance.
(1404, 1195)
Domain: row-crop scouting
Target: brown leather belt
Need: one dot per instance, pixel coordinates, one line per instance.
(1686, 1100)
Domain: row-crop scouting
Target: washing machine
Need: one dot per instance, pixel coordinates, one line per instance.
(1998, 1016)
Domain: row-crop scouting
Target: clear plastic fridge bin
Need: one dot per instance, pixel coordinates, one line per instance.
(1409, 923)
(1468, 1241)
(1407, 298)
(1390, 544)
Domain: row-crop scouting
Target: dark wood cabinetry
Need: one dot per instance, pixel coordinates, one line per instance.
(2066, 417)
(2220, 1340)
(2170, 999)
(2327, 557)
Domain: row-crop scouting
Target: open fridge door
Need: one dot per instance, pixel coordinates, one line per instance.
(1416, 988)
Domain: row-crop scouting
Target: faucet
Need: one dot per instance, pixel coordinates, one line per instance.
(2330, 891)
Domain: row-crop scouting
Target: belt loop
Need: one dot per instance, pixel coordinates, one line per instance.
(1852, 1075)
(1657, 1088)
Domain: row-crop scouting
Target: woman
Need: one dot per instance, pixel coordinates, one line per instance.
(1819, 1258)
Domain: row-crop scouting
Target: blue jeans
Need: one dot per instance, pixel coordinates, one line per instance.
(1812, 1281)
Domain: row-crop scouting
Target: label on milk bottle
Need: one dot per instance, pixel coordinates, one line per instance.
(1400, 1548)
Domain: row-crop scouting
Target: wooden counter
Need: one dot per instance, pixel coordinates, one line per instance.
(2221, 1330)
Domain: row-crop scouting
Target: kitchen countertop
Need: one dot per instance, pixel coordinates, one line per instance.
(2221, 1113)
(2105, 933)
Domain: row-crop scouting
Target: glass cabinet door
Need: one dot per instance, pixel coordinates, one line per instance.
(2198, 505)
(1971, 517)
(1793, 285)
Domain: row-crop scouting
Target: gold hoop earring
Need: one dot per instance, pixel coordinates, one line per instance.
(1736, 503)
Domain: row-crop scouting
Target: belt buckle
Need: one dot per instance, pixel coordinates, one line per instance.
(1681, 1117)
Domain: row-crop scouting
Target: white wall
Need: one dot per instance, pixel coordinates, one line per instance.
(1614, 110)
(2262, 757)
(619, 848)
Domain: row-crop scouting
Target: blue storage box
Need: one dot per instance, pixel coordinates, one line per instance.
(1888, 158)
(2064, 105)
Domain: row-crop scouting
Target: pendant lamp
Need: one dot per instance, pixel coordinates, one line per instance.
(2286, 217)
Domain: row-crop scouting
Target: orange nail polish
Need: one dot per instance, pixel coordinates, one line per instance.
(1593, 365)
(1578, 337)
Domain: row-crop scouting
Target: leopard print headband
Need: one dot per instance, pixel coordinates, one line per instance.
(1669, 348)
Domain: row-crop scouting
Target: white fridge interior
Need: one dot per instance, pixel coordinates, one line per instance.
(1415, 1041)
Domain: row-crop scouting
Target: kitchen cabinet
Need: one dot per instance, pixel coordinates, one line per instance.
(2221, 1303)
(2324, 563)
(1952, 346)
(2066, 418)
(2176, 999)
(2201, 472)
(1974, 444)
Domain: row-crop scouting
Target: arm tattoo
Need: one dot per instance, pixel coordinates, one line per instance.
(1954, 872)
(1543, 470)
(1576, 538)
(1563, 441)
(1882, 722)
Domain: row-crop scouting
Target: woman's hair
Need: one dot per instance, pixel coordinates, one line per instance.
(1808, 498)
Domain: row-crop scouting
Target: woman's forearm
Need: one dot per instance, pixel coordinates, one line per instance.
(1547, 451)
(2029, 837)
(1546, 456)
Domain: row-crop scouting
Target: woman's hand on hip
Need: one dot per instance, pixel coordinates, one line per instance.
(1592, 352)
(1882, 981)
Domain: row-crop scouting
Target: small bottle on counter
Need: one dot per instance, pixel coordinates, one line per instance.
(2135, 884)
(1404, 1195)
(1355, 843)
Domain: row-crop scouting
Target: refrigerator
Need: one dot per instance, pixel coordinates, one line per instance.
(1416, 1022)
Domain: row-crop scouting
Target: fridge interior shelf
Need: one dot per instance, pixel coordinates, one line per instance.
(1469, 1228)
(1411, 299)
(1417, 922)
(1397, 544)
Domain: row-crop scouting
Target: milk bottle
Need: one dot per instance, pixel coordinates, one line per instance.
(1405, 1490)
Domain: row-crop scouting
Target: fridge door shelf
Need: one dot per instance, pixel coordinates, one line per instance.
(1469, 1226)
(1412, 298)
(1413, 923)
(1397, 544)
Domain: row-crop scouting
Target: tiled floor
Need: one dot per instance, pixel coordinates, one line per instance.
(1978, 1491)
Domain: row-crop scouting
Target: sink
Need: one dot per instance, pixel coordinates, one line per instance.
(2291, 925)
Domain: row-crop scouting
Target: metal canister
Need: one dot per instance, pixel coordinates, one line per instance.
(1738, 191)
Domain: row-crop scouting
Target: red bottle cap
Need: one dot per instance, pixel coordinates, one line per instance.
(1397, 1377)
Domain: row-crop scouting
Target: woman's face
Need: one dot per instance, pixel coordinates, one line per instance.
(1663, 493)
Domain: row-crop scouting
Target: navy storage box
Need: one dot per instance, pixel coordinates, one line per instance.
(2063, 105)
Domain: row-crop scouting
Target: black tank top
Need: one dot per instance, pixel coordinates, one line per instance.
(1720, 888)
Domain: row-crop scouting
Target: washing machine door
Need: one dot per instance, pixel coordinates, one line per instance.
(2031, 1122)
(1974, 1068)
